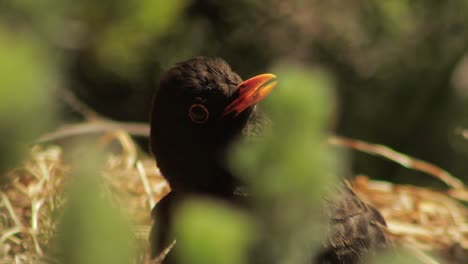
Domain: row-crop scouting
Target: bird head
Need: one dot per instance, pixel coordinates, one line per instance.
(200, 107)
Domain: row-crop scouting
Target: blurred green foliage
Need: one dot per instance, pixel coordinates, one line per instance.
(290, 168)
(142, 22)
(27, 79)
(210, 231)
(92, 229)
(299, 109)
(393, 63)
(400, 257)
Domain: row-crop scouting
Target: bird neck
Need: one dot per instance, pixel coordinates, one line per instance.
(193, 163)
(194, 159)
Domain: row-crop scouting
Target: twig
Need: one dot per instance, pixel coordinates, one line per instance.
(10, 233)
(402, 159)
(78, 106)
(10, 209)
(135, 129)
(144, 180)
(129, 147)
(36, 243)
(35, 207)
(162, 256)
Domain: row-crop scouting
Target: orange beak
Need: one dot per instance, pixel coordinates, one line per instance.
(251, 92)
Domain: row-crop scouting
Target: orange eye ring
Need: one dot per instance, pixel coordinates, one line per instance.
(198, 113)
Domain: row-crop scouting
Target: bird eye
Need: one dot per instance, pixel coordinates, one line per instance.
(198, 113)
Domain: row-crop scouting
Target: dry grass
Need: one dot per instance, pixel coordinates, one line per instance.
(36, 193)
(420, 219)
(423, 219)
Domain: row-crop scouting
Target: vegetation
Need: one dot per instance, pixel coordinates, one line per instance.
(389, 72)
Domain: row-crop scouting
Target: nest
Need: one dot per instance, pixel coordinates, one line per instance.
(36, 193)
(425, 220)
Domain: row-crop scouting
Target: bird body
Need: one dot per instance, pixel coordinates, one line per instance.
(355, 228)
(199, 110)
(190, 135)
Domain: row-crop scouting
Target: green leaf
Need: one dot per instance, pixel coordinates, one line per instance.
(27, 81)
(92, 229)
(210, 231)
(291, 167)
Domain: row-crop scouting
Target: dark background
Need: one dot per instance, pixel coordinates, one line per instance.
(400, 67)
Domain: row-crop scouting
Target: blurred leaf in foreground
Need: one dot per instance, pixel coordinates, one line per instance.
(92, 229)
(396, 257)
(144, 21)
(211, 232)
(27, 80)
(291, 167)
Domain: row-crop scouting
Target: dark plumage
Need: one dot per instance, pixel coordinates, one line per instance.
(200, 108)
(190, 154)
(354, 228)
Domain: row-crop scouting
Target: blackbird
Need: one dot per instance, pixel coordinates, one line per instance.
(199, 110)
